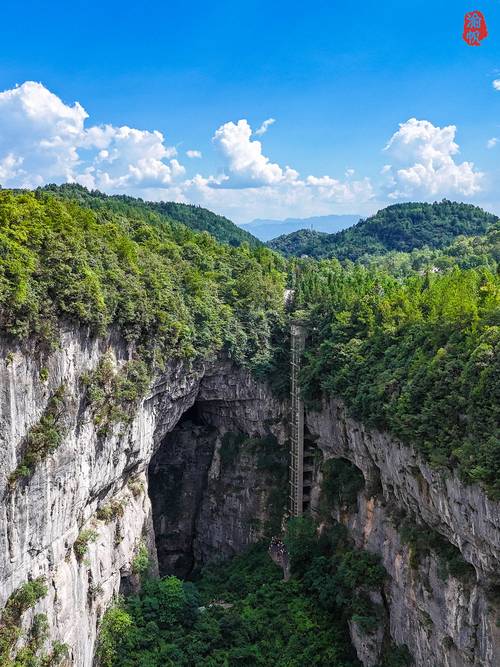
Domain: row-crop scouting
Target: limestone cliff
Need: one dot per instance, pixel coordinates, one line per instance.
(57, 523)
(444, 620)
(186, 473)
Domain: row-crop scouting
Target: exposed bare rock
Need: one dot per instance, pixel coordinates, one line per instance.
(442, 620)
(42, 516)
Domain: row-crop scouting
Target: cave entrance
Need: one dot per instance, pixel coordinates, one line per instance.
(177, 480)
(342, 482)
(217, 484)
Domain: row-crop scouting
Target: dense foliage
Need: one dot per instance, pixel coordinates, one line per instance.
(418, 356)
(243, 613)
(168, 290)
(195, 217)
(465, 252)
(401, 227)
(307, 242)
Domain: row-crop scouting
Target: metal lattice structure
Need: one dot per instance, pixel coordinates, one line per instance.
(296, 498)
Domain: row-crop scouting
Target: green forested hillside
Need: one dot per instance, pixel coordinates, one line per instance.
(401, 227)
(418, 356)
(465, 252)
(164, 288)
(302, 242)
(195, 217)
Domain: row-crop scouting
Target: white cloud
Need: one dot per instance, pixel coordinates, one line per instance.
(491, 143)
(265, 126)
(253, 186)
(496, 84)
(426, 165)
(296, 198)
(130, 158)
(246, 166)
(43, 140)
(38, 136)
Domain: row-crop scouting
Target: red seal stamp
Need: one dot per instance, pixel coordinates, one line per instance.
(475, 29)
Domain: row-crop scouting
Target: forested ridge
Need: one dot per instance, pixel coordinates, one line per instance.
(400, 227)
(166, 289)
(407, 334)
(196, 218)
(409, 340)
(417, 355)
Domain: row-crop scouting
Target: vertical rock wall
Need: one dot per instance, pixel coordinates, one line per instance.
(42, 516)
(444, 620)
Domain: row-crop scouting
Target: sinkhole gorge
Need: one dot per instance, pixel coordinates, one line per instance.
(197, 471)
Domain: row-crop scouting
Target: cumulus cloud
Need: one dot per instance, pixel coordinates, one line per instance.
(491, 143)
(496, 84)
(245, 164)
(130, 158)
(42, 139)
(265, 126)
(298, 197)
(249, 181)
(39, 135)
(426, 165)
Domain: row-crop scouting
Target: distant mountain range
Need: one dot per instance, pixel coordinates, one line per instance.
(265, 230)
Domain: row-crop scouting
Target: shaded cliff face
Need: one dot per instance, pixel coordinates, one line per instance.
(214, 488)
(57, 523)
(445, 619)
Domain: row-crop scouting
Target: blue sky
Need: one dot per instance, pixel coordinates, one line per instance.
(338, 78)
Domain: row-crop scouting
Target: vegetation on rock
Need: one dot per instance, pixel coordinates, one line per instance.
(85, 537)
(341, 483)
(42, 439)
(418, 356)
(423, 540)
(113, 392)
(31, 654)
(170, 292)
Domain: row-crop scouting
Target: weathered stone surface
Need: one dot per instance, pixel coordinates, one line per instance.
(205, 507)
(443, 622)
(41, 518)
(368, 645)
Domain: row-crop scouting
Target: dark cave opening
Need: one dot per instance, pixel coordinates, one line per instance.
(177, 480)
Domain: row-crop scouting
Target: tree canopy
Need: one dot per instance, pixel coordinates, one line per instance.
(165, 289)
(418, 356)
(401, 227)
(195, 217)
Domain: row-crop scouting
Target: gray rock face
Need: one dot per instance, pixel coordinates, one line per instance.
(211, 498)
(443, 621)
(42, 517)
(208, 505)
